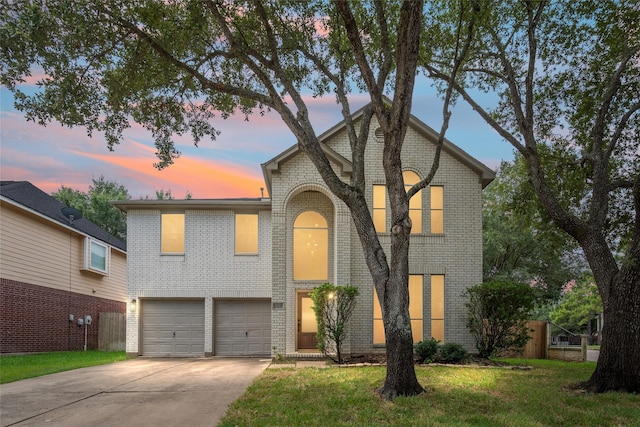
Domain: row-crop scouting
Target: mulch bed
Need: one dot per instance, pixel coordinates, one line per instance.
(471, 361)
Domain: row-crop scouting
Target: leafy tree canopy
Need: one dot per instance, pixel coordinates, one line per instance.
(568, 77)
(579, 304)
(520, 242)
(96, 205)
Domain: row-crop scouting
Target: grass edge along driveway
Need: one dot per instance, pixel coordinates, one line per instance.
(23, 366)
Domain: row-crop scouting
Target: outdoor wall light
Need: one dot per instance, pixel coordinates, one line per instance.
(132, 306)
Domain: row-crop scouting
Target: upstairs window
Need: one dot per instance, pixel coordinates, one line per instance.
(173, 233)
(415, 203)
(437, 209)
(380, 208)
(310, 247)
(96, 256)
(246, 233)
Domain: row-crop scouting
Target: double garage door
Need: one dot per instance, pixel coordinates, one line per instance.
(175, 328)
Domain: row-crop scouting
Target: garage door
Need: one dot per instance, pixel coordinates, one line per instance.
(172, 328)
(243, 328)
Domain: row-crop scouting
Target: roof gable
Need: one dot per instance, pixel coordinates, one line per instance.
(273, 165)
(485, 174)
(29, 196)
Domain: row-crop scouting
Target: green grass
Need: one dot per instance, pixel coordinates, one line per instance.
(455, 396)
(20, 367)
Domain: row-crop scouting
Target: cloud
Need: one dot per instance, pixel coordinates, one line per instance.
(53, 156)
(229, 167)
(202, 178)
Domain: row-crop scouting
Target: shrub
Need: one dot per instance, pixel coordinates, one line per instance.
(452, 353)
(498, 312)
(427, 350)
(333, 306)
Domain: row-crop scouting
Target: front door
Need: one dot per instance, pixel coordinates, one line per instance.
(307, 326)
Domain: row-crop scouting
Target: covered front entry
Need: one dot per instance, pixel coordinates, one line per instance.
(242, 328)
(172, 328)
(306, 323)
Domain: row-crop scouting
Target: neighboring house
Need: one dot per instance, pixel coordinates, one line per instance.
(52, 268)
(231, 277)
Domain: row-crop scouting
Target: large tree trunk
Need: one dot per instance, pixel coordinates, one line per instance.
(401, 377)
(618, 367)
(392, 288)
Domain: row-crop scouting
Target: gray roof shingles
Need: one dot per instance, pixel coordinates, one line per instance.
(30, 196)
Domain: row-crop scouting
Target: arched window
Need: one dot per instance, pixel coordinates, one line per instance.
(310, 247)
(415, 204)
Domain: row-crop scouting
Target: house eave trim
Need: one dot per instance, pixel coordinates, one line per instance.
(226, 204)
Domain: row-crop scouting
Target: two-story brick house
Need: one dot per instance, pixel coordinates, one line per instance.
(231, 277)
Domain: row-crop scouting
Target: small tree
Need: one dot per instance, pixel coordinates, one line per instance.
(580, 303)
(498, 313)
(333, 306)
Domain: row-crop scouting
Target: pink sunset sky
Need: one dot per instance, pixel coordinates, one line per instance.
(228, 167)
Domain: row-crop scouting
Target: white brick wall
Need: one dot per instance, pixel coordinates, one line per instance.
(209, 269)
(457, 253)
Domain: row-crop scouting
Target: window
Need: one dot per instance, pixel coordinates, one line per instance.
(310, 247)
(437, 307)
(415, 204)
(96, 256)
(415, 312)
(173, 233)
(246, 233)
(437, 204)
(380, 208)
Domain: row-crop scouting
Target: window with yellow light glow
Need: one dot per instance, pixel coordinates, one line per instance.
(437, 307)
(310, 247)
(172, 233)
(437, 209)
(415, 311)
(246, 233)
(415, 203)
(380, 208)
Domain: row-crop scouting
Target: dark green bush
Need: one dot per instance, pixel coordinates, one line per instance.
(498, 313)
(427, 350)
(452, 353)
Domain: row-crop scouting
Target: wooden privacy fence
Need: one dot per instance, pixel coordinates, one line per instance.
(539, 346)
(536, 347)
(111, 332)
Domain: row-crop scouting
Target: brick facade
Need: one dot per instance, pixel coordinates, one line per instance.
(36, 318)
(456, 253)
(209, 269)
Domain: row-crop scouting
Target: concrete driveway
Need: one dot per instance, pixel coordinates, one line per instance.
(136, 392)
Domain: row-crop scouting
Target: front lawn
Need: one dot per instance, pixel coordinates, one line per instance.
(19, 367)
(456, 396)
